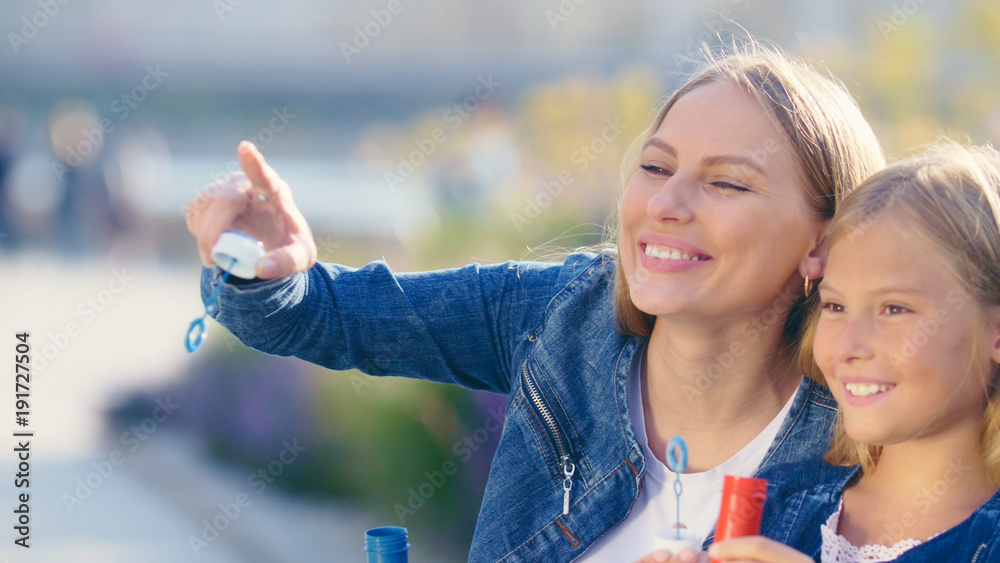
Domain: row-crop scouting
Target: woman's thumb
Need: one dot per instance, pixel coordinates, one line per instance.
(285, 261)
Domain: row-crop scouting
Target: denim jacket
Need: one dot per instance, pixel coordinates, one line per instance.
(541, 333)
(799, 508)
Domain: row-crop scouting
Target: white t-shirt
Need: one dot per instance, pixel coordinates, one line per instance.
(656, 508)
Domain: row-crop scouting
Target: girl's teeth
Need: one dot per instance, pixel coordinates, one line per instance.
(665, 253)
(866, 389)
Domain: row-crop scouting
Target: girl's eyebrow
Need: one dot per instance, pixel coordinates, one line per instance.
(709, 160)
(900, 288)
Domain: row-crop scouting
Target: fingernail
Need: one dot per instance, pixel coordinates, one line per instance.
(713, 550)
(267, 268)
(660, 556)
(687, 555)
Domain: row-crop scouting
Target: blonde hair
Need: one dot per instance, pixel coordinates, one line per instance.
(948, 198)
(832, 144)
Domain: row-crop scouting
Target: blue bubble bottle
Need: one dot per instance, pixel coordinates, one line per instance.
(387, 544)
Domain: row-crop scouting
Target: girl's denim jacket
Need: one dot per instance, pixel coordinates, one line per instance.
(798, 508)
(541, 333)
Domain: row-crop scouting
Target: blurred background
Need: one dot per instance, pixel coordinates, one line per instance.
(430, 134)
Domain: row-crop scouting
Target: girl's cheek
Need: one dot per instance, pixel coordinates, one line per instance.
(821, 347)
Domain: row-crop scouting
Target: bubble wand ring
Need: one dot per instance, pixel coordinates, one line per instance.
(198, 331)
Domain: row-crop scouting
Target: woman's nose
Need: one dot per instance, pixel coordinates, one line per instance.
(674, 201)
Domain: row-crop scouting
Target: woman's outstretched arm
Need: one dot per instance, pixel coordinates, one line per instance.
(460, 325)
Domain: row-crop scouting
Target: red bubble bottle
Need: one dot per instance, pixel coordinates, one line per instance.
(742, 508)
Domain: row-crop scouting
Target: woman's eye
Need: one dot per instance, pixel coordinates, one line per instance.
(652, 169)
(728, 186)
(832, 307)
(895, 309)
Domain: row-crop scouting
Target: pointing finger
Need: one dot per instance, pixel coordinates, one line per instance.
(262, 176)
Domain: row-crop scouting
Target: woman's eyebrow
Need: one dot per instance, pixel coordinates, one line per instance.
(709, 160)
(654, 142)
(734, 159)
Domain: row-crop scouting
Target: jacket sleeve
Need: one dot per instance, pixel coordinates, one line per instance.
(459, 325)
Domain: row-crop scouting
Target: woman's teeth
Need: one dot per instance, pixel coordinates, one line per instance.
(666, 253)
(866, 389)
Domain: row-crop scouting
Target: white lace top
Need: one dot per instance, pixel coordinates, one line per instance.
(836, 548)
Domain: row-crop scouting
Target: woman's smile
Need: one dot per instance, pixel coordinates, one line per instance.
(670, 254)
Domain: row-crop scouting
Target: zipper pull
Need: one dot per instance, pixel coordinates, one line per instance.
(568, 470)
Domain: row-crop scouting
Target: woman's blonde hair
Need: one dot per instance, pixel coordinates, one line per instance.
(948, 200)
(832, 144)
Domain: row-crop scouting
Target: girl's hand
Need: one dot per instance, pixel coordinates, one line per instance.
(260, 204)
(755, 549)
(683, 556)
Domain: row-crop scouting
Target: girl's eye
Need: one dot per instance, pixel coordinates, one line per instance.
(832, 307)
(728, 186)
(895, 309)
(652, 169)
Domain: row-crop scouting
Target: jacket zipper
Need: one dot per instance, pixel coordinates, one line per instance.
(566, 461)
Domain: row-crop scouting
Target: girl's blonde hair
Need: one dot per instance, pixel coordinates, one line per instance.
(948, 199)
(833, 145)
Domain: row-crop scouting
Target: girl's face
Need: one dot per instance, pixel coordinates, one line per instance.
(715, 222)
(895, 339)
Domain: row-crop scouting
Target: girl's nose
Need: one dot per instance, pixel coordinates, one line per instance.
(854, 340)
(674, 201)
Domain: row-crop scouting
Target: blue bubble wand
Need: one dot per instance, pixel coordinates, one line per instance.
(677, 460)
(236, 253)
(198, 331)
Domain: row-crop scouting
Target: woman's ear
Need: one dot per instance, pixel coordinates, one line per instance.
(994, 334)
(814, 262)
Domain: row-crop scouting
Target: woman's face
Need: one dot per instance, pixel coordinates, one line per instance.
(894, 339)
(715, 223)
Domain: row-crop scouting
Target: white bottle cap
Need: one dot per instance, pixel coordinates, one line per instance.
(668, 540)
(242, 247)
